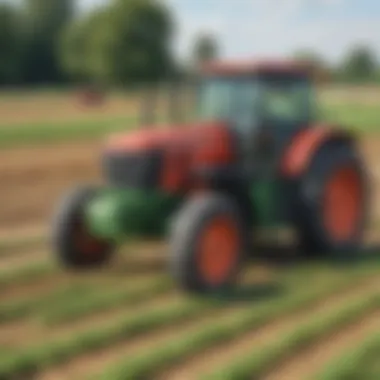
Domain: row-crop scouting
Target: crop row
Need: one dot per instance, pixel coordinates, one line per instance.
(20, 307)
(65, 304)
(62, 349)
(70, 308)
(355, 363)
(74, 309)
(37, 271)
(25, 274)
(262, 359)
(20, 246)
(217, 332)
(131, 294)
(79, 299)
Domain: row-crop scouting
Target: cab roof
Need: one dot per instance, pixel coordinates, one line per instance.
(258, 67)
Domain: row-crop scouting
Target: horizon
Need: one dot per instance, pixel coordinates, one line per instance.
(259, 29)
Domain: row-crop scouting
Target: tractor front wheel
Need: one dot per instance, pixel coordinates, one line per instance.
(73, 243)
(208, 244)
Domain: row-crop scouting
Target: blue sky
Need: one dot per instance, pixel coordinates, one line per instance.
(275, 28)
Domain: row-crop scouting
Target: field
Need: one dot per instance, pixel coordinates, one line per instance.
(128, 321)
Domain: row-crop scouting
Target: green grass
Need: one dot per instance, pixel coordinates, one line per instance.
(105, 300)
(43, 133)
(20, 245)
(39, 356)
(219, 331)
(360, 362)
(35, 271)
(262, 359)
(22, 307)
(362, 118)
(28, 273)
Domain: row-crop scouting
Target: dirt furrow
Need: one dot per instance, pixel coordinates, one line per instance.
(310, 361)
(17, 262)
(205, 361)
(96, 361)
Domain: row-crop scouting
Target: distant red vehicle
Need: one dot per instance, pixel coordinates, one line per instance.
(91, 97)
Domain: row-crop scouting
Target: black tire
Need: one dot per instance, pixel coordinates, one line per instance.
(185, 234)
(68, 223)
(315, 238)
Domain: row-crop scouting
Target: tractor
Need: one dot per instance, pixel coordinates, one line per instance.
(254, 155)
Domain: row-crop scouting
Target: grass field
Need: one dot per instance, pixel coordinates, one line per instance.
(47, 118)
(290, 320)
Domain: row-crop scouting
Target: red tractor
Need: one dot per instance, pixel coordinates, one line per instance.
(255, 156)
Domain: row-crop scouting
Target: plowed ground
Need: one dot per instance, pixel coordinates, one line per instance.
(128, 321)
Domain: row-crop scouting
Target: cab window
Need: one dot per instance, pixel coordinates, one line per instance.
(232, 99)
(286, 100)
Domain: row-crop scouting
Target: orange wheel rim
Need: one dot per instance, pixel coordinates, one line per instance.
(218, 250)
(343, 203)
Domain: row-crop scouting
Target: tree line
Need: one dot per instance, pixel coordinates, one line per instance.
(124, 42)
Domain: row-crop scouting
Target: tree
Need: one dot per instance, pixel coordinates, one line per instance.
(308, 56)
(76, 45)
(44, 21)
(126, 42)
(317, 64)
(359, 65)
(9, 45)
(205, 49)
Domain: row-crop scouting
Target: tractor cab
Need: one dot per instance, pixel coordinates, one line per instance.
(264, 104)
(250, 99)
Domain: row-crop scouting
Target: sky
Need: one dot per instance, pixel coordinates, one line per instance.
(249, 29)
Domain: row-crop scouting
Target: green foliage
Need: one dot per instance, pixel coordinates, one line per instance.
(309, 57)
(205, 49)
(128, 41)
(43, 22)
(359, 65)
(9, 45)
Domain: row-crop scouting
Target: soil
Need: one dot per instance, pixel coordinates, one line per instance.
(205, 361)
(311, 361)
(33, 179)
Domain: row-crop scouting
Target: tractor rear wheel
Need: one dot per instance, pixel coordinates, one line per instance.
(73, 243)
(331, 202)
(208, 244)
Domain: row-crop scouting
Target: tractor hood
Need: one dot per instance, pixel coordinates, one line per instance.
(152, 138)
(149, 156)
